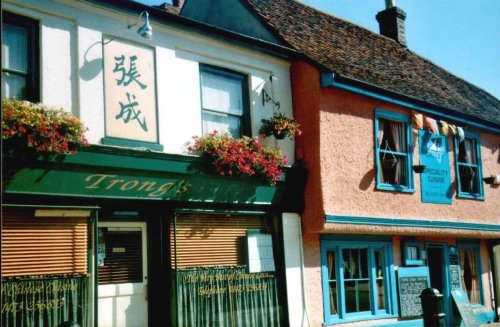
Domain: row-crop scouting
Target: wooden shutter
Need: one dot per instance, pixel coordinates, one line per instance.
(212, 240)
(43, 245)
(123, 261)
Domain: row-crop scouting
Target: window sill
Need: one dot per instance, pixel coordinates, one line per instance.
(392, 188)
(471, 196)
(364, 317)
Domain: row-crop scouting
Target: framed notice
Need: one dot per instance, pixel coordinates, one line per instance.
(435, 181)
(260, 252)
(130, 91)
(411, 282)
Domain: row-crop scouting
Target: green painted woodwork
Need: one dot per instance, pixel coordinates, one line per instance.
(105, 172)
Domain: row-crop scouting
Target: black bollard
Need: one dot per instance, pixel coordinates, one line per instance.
(432, 307)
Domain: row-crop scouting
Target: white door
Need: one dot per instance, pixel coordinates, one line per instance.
(122, 274)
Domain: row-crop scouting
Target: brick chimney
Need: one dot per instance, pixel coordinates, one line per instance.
(392, 22)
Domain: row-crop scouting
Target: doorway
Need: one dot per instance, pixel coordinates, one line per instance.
(438, 272)
(122, 274)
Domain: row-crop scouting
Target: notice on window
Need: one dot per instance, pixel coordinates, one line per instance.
(260, 253)
(435, 181)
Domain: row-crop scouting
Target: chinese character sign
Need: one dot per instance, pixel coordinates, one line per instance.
(435, 181)
(130, 90)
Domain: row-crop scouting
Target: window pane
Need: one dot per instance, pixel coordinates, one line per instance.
(393, 136)
(393, 169)
(13, 86)
(470, 278)
(221, 93)
(14, 48)
(468, 179)
(357, 296)
(222, 124)
(331, 265)
(379, 266)
(467, 151)
(364, 295)
(333, 298)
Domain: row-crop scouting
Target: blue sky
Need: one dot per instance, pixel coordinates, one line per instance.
(461, 36)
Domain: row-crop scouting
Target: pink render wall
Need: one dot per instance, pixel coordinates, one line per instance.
(337, 146)
(339, 153)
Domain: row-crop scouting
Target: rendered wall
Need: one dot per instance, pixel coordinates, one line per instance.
(71, 66)
(339, 153)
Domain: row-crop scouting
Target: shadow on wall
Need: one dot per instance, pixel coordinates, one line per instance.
(90, 69)
(366, 181)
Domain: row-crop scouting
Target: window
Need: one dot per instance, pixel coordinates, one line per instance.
(224, 98)
(393, 151)
(470, 268)
(19, 57)
(412, 252)
(358, 280)
(468, 166)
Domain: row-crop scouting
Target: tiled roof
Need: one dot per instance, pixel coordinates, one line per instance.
(357, 53)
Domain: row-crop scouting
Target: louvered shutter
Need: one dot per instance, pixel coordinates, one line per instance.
(123, 260)
(212, 240)
(42, 245)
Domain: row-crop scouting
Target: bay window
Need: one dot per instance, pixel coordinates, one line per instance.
(357, 279)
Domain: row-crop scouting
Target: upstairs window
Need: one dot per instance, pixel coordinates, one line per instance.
(393, 151)
(224, 98)
(19, 57)
(468, 166)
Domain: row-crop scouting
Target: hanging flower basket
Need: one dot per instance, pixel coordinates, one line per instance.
(33, 129)
(389, 162)
(245, 156)
(418, 168)
(280, 126)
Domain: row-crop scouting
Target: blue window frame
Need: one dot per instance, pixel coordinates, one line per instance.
(468, 166)
(358, 280)
(470, 269)
(412, 252)
(393, 151)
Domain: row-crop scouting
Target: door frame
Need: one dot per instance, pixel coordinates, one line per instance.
(129, 224)
(447, 304)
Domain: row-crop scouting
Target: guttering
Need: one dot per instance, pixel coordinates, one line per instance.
(331, 79)
(163, 17)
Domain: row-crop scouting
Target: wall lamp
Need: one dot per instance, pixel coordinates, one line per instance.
(146, 31)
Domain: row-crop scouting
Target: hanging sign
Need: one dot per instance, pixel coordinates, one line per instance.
(435, 181)
(130, 90)
(101, 248)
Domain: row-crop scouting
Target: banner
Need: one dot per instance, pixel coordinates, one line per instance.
(227, 296)
(435, 181)
(47, 301)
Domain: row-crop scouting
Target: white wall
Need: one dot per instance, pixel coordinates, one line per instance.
(72, 69)
(294, 265)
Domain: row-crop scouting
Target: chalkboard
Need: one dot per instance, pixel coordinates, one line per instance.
(464, 308)
(412, 281)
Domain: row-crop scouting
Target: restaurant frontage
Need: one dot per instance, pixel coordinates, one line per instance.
(113, 236)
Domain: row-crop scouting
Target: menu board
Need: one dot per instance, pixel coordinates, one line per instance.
(454, 272)
(411, 282)
(464, 308)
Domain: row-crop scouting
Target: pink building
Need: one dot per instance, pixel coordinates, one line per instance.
(378, 228)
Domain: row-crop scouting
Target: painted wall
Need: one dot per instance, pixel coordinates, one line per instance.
(339, 152)
(71, 35)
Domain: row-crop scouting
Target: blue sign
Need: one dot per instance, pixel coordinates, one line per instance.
(435, 181)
